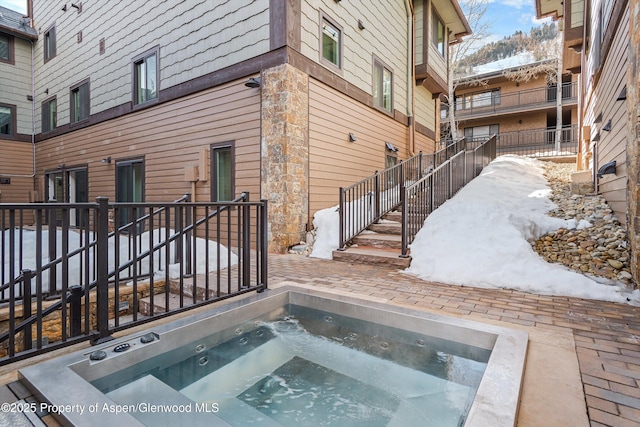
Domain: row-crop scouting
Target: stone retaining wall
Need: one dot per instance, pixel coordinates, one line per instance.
(52, 325)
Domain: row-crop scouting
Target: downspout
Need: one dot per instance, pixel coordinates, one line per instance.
(411, 70)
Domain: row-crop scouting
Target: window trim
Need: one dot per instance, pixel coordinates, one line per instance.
(324, 61)
(377, 62)
(52, 126)
(72, 109)
(134, 90)
(45, 36)
(12, 57)
(14, 122)
(435, 33)
(213, 169)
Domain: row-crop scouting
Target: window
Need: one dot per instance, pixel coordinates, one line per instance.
(145, 77)
(330, 43)
(80, 101)
(7, 119)
(382, 86)
(478, 99)
(438, 36)
(130, 188)
(222, 172)
(481, 133)
(6, 48)
(49, 114)
(50, 43)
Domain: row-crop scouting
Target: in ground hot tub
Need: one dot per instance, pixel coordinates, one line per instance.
(293, 357)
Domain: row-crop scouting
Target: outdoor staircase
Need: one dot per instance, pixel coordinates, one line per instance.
(380, 245)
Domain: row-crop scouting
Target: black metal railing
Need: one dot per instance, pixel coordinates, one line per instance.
(365, 202)
(535, 142)
(430, 192)
(491, 102)
(87, 269)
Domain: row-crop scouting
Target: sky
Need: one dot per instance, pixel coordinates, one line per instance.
(17, 5)
(506, 16)
(481, 237)
(509, 16)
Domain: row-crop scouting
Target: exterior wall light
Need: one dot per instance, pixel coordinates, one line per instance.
(253, 82)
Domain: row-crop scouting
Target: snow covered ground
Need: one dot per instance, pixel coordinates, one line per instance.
(76, 241)
(481, 237)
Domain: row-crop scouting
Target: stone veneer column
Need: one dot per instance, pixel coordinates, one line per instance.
(285, 154)
(633, 143)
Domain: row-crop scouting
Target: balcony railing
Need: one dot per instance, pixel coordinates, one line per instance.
(487, 103)
(534, 143)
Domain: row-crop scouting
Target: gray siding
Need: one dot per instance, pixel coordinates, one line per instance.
(385, 35)
(601, 98)
(15, 84)
(195, 38)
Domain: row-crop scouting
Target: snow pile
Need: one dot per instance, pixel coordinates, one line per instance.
(481, 237)
(125, 247)
(327, 225)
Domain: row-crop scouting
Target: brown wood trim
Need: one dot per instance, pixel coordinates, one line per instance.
(331, 79)
(573, 36)
(422, 129)
(225, 75)
(400, 117)
(284, 24)
(20, 137)
(284, 55)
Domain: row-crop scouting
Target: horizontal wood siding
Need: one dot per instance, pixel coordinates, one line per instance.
(612, 144)
(16, 159)
(336, 162)
(168, 137)
(424, 144)
(195, 38)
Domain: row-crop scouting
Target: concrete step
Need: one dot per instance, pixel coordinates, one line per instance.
(377, 240)
(159, 303)
(394, 216)
(387, 228)
(375, 256)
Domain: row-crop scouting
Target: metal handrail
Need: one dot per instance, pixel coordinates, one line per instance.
(71, 293)
(367, 201)
(427, 194)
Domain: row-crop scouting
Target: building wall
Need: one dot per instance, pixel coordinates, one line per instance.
(385, 35)
(16, 163)
(336, 162)
(170, 137)
(195, 38)
(577, 13)
(513, 123)
(425, 108)
(633, 142)
(603, 85)
(15, 85)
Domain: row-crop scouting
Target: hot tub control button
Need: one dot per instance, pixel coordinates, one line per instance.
(97, 355)
(147, 338)
(121, 347)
